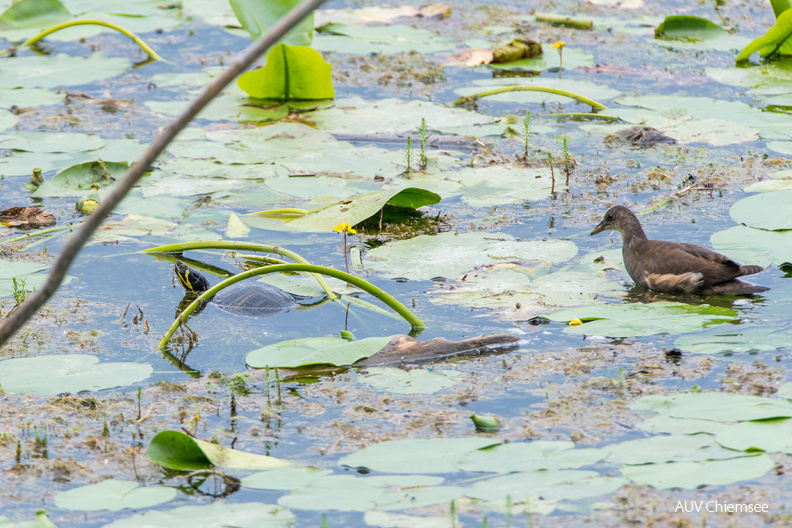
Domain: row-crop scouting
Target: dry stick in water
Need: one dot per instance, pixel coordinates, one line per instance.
(26, 310)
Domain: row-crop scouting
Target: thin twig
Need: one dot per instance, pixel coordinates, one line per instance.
(26, 310)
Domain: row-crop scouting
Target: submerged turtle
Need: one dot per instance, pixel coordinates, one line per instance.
(251, 299)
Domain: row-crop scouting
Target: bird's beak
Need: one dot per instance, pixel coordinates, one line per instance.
(600, 228)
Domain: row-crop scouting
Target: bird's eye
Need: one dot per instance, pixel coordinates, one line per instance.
(608, 217)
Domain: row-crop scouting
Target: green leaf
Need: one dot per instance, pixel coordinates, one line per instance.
(291, 72)
(181, 452)
(257, 17)
(315, 351)
(688, 28)
(358, 208)
(734, 339)
(754, 246)
(284, 479)
(77, 179)
(387, 40)
(715, 406)
(530, 456)
(451, 254)
(113, 495)
(434, 455)
(670, 448)
(626, 320)
(692, 475)
(771, 436)
(547, 484)
(414, 381)
(34, 14)
(771, 41)
(52, 375)
(768, 210)
(50, 71)
(238, 515)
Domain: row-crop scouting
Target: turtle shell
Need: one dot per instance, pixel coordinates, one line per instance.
(253, 299)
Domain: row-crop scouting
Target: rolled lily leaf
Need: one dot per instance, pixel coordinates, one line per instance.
(775, 41)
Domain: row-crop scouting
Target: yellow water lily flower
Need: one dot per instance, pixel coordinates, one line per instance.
(575, 322)
(558, 45)
(344, 226)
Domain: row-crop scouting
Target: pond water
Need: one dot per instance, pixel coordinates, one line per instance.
(499, 253)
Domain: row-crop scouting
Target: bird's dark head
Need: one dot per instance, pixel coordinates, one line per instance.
(618, 218)
(190, 279)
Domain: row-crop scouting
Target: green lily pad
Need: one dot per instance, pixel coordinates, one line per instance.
(15, 268)
(238, 515)
(52, 375)
(181, 452)
(284, 479)
(355, 115)
(33, 14)
(50, 71)
(734, 339)
(7, 120)
(688, 28)
(348, 493)
(628, 320)
(51, 142)
(291, 72)
(78, 179)
(387, 40)
(235, 228)
(778, 181)
(358, 208)
(680, 426)
(770, 436)
(769, 211)
(501, 185)
(775, 42)
(754, 246)
(692, 475)
(573, 58)
(113, 495)
(435, 455)
(530, 456)
(256, 17)
(41, 522)
(28, 98)
(673, 448)
(315, 351)
(414, 381)
(715, 406)
(451, 254)
(547, 484)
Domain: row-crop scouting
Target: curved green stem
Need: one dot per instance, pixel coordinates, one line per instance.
(244, 246)
(310, 268)
(523, 88)
(138, 40)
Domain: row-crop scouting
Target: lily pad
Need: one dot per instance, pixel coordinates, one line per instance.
(77, 180)
(51, 142)
(348, 493)
(764, 211)
(692, 475)
(715, 406)
(680, 426)
(358, 208)
(387, 40)
(501, 185)
(256, 17)
(28, 98)
(113, 495)
(355, 115)
(530, 456)
(628, 320)
(238, 515)
(284, 479)
(435, 455)
(671, 448)
(315, 351)
(734, 339)
(770, 436)
(181, 452)
(754, 246)
(414, 381)
(573, 58)
(451, 254)
(52, 375)
(547, 484)
(50, 71)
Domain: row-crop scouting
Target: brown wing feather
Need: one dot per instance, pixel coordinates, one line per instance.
(658, 257)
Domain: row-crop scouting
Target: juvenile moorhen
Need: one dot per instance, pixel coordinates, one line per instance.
(672, 267)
